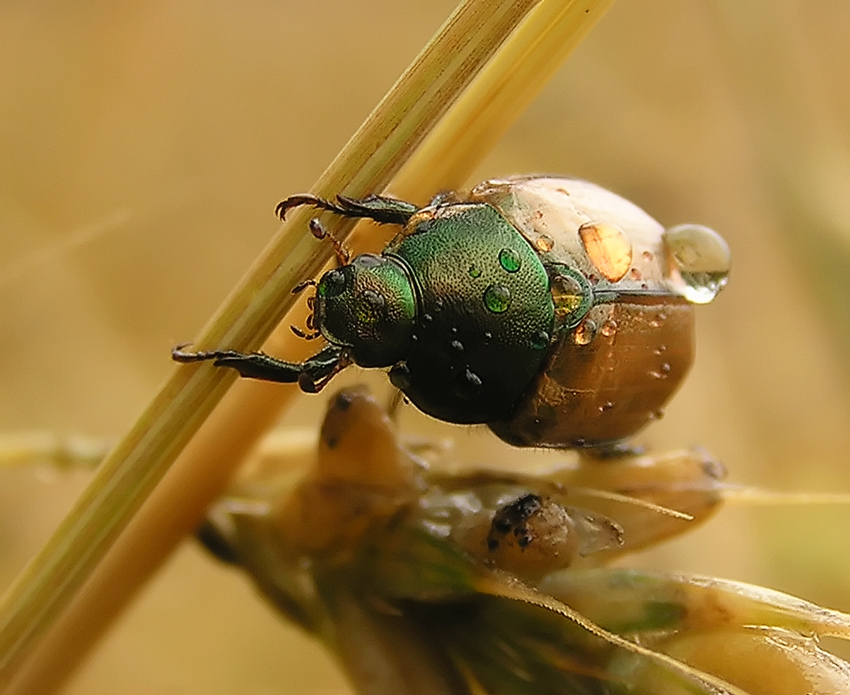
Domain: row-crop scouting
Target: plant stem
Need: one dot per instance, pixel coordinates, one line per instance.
(413, 107)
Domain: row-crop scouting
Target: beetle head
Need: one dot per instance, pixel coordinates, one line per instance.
(368, 306)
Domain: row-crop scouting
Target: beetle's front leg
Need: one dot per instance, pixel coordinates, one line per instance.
(311, 375)
(378, 208)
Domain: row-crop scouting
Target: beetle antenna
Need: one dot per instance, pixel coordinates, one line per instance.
(301, 286)
(303, 334)
(311, 301)
(318, 230)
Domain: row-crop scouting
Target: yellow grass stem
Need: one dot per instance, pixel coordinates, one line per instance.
(30, 636)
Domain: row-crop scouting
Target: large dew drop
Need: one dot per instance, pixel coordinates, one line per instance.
(699, 262)
(608, 248)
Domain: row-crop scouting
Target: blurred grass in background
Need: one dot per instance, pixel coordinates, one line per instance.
(144, 145)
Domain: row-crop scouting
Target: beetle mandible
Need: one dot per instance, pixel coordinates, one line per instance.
(554, 311)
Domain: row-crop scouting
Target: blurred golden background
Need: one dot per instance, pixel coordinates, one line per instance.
(143, 146)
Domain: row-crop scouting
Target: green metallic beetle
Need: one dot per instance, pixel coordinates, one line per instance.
(548, 308)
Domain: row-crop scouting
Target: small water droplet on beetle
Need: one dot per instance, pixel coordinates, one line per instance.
(467, 384)
(509, 260)
(662, 373)
(584, 332)
(544, 243)
(540, 340)
(609, 328)
(457, 346)
(497, 298)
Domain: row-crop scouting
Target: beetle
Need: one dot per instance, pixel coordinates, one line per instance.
(554, 311)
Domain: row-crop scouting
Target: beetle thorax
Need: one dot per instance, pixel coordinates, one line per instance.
(485, 313)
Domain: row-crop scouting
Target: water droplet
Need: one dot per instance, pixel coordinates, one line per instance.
(457, 346)
(663, 371)
(540, 340)
(606, 406)
(400, 376)
(635, 275)
(572, 297)
(700, 261)
(486, 337)
(497, 298)
(474, 271)
(544, 243)
(659, 349)
(467, 384)
(438, 304)
(648, 256)
(657, 414)
(509, 260)
(609, 328)
(584, 332)
(608, 248)
(427, 318)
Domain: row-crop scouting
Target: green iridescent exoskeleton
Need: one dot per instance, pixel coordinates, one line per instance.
(485, 313)
(548, 308)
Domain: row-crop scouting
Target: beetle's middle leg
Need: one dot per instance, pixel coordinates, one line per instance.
(311, 375)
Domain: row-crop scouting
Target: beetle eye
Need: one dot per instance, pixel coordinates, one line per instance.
(332, 284)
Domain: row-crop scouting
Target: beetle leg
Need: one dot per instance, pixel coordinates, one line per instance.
(320, 373)
(295, 201)
(380, 209)
(312, 335)
(301, 286)
(311, 375)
